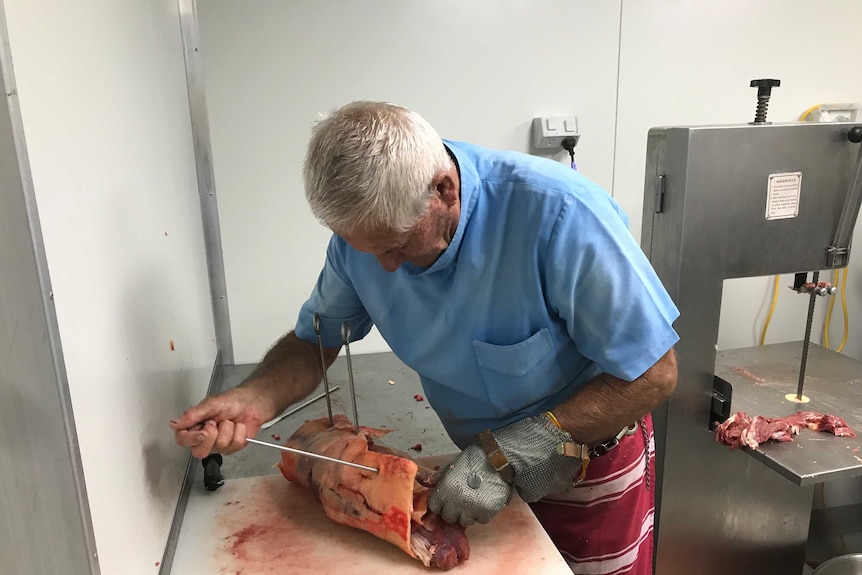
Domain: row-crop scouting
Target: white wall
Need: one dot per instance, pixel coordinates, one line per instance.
(271, 65)
(105, 109)
(476, 70)
(691, 63)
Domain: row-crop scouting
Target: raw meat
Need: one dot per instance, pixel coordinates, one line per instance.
(391, 504)
(741, 429)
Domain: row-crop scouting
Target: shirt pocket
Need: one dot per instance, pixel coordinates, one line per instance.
(519, 375)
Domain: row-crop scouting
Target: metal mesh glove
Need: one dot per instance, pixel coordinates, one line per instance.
(531, 446)
(470, 491)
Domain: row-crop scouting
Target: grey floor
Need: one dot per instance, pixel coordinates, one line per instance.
(379, 404)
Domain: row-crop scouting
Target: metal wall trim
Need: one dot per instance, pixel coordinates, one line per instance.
(189, 477)
(206, 178)
(46, 292)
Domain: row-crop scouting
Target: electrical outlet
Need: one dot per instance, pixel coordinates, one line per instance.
(548, 131)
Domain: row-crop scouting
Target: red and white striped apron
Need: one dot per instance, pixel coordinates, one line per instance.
(604, 525)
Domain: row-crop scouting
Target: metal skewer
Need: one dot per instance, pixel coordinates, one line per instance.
(345, 337)
(272, 422)
(316, 321)
(314, 455)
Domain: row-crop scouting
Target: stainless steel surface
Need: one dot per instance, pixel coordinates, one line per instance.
(844, 565)
(345, 336)
(761, 378)
(192, 466)
(323, 367)
(206, 178)
(806, 342)
(290, 412)
(46, 527)
(730, 512)
(313, 455)
(384, 405)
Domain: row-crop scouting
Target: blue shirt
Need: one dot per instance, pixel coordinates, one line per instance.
(542, 288)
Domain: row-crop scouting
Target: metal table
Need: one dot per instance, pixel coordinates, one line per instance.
(762, 376)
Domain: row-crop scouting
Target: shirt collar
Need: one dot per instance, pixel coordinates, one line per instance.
(469, 183)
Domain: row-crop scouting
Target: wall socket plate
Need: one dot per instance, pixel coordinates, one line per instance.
(547, 132)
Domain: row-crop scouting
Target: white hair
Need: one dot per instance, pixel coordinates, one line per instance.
(370, 165)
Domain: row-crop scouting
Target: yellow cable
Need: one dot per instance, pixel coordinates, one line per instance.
(844, 307)
(807, 112)
(836, 274)
(771, 309)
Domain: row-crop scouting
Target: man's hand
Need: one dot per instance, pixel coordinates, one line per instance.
(220, 423)
(531, 447)
(470, 491)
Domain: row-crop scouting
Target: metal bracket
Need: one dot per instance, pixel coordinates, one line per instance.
(837, 257)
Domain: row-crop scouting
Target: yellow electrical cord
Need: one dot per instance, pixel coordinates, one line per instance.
(844, 307)
(836, 275)
(807, 112)
(771, 309)
(839, 276)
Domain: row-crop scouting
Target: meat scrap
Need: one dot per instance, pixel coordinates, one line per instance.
(740, 429)
(390, 504)
(418, 397)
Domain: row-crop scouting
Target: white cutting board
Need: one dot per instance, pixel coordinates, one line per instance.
(267, 526)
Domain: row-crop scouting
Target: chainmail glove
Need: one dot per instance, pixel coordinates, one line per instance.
(470, 490)
(530, 444)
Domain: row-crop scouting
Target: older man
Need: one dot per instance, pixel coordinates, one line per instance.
(513, 287)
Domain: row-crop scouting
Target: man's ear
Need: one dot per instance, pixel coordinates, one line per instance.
(447, 186)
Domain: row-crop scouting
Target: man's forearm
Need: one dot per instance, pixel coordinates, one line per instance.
(606, 404)
(288, 372)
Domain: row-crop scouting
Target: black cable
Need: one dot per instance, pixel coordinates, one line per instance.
(568, 144)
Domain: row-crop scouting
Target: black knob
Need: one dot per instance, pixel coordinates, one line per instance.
(765, 86)
(855, 134)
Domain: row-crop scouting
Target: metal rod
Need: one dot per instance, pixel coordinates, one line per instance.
(314, 455)
(345, 337)
(316, 321)
(270, 423)
(812, 299)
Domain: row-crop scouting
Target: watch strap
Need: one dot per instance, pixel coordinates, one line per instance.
(496, 457)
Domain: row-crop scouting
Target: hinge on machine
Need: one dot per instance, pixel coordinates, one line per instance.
(658, 197)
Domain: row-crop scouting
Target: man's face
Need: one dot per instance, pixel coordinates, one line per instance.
(421, 245)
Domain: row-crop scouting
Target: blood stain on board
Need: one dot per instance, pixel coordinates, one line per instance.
(255, 523)
(748, 374)
(241, 537)
(418, 397)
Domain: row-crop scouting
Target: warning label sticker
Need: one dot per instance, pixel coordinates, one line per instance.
(782, 195)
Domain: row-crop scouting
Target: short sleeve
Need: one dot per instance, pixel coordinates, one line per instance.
(335, 300)
(602, 285)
